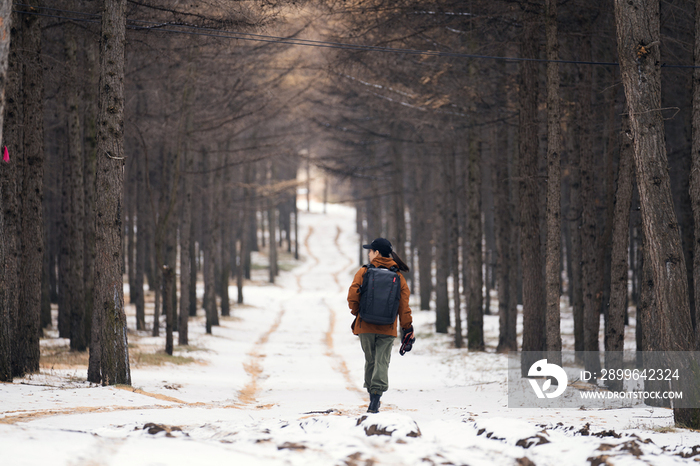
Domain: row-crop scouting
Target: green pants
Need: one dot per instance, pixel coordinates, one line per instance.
(377, 350)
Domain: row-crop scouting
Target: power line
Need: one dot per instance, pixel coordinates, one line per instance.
(225, 34)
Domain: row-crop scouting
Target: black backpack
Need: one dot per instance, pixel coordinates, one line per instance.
(379, 295)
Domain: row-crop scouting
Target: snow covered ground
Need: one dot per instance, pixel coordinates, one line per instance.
(280, 383)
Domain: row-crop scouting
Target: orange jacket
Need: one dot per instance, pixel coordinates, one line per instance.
(404, 316)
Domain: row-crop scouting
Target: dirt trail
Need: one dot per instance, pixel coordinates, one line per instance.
(339, 363)
(247, 395)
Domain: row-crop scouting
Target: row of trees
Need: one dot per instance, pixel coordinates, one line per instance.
(446, 148)
(459, 139)
(129, 150)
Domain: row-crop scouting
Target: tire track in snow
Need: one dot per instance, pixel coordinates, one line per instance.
(26, 416)
(340, 365)
(336, 241)
(254, 369)
(310, 254)
(33, 415)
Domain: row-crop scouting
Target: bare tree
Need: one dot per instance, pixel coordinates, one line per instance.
(5, 38)
(695, 171)
(473, 238)
(109, 287)
(590, 260)
(9, 213)
(553, 251)
(640, 64)
(76, 220)
(615, 323)
(31, 223)
(531, 250)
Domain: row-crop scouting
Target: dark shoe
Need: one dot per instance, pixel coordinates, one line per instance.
(374, 403)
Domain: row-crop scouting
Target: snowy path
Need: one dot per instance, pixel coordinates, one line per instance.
(280, 383)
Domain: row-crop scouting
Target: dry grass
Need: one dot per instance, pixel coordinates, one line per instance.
(61, 357)
(158, 358)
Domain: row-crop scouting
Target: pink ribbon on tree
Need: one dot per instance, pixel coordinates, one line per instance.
(5, 155)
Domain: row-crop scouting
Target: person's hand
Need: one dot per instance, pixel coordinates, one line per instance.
(407, 340)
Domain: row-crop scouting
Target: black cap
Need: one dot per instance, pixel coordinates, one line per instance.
(380, 244)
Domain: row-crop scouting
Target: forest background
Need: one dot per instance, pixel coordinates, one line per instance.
(523, 147)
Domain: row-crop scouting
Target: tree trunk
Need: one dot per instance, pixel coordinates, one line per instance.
(574, 220)
(487, 207)
(130, 199)
(638, 41)
(452, 246)
(243, 251)
(32, 226)
(193, 267)
(76, 189)
(531, 250)
(186, 244)
(109, 289)
(168, 306)
(423, 242)
(590, 260)
(399, 216)
(63, 223)
(442, 263)
(503, 225)
(46, 280)
(210, 310)
(554, 145)
(272, 224)
(615, 323)
(137, 294)
(652, 338)
(695, 173)
(5, 38)
(90, 48)
(473, 237)
(9, 213)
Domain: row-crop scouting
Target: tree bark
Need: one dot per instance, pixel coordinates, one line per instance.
(398, 204)
(5, 41)
(423, 245)
(185, 254)
(615, 323)
(441, 239)
(168, 307)
(695, 173)
(92, 323)
(210, 310)
(76, 189)
(452, 246)
(137, 294)
(109, 289)
(638, 39)
(590, 260)
(272, 224)
(473, 237)
(505, 254)
(63, 223)
(531, 250)
(9, 204)
(574, 219)
(652, 338)
(554, 146)
(32, 226)
(90, 174)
